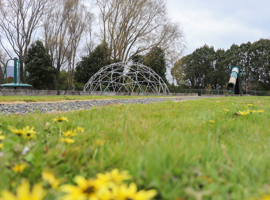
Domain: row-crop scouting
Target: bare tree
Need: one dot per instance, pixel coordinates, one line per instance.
(78, 24)
(135, 26)
(63, 26)
(248, 85)
(89, 42)
(3, 60)
(19, 20)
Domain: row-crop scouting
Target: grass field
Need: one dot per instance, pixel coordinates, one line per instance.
(66, 98)
(203, 149)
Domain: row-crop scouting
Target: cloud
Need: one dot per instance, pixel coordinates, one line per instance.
(221, 23)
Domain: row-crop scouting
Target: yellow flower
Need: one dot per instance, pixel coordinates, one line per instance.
(67, 140)
(249, 105)
(260, 111)
(1, 145)
(218, 101)
(29, 133)
(60, 119)
(226, 110)
(100, 142)
(50, 178)
(251, 111)
(232, 103)
(70, 133)
(107, 194)
(265, 197)
(19, 132)
(124, 192)
(0, 132)
(243, 113)
(2, 137)
(18, 168)
(113, 177)
(80, 129)
(207, 179)
(85, 189)
(23, 193)
(212, 121)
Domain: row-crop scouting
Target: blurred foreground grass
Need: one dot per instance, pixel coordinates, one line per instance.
(171, 147)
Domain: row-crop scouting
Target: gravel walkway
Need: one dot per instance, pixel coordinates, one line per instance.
(43, 107)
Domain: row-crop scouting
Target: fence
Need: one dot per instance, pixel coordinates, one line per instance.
(218, 92)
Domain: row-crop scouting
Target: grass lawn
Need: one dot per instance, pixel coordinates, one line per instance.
(171, 147)
(66, 98)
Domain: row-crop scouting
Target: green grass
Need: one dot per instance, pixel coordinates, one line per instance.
(66, 98)
(171, 147)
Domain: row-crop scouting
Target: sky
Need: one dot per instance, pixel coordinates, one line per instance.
(220, 23)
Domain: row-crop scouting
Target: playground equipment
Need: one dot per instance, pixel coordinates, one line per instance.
(234, 85)
(128, 77)
(17, 78)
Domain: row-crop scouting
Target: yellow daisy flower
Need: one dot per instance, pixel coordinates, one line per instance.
(29, 133)
(50, 178)
(85, 189)
(80, 129)
(67, 140)
(218, 101)
(212, 121)
(2, 137)
(251, 111)
(60, 119)
(19, 132)
(18, 168)
(100, 142)
(125, 192)
(1, 145)
(243, 113)
(260, 111)
(113, 177)
(24, 193)
(265, 197)
(70, 133)
(249, 105)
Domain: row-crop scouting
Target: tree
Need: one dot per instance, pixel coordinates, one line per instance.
(38, 64)
(199, 67)
(3, 60)
(90, 64)
(155, 59)
(177, 72)
(136, 26)
(63, 26)
(221, 73)
(18, 22)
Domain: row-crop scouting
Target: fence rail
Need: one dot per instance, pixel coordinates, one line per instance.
(219, 92)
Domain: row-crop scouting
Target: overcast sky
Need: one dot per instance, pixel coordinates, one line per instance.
(220, 23)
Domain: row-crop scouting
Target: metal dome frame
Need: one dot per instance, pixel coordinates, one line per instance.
(128, 77)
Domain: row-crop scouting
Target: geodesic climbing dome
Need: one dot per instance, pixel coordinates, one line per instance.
(126, 77)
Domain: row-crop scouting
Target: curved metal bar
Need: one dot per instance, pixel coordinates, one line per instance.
(126, 77)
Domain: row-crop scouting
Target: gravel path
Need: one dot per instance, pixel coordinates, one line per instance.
(43, 107)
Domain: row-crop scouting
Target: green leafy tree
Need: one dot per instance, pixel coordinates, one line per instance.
(155, 59)
(137, 58)
(89, 65)
(199, 67)
(221, 73)
(38, 64)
